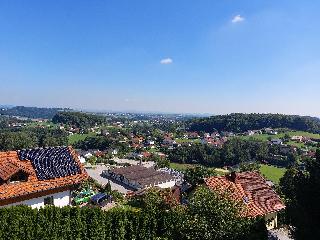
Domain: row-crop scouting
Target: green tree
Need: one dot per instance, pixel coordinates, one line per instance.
(197, 174)
(301, 189)
(215, 216)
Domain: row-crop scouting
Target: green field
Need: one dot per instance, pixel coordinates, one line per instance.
(272, 173)
(183, 140)
(281, 135)
(266, 137)
(78, 137)
(44, 124)
(183, 167)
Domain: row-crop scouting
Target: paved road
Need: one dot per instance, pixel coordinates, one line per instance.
(95, 174)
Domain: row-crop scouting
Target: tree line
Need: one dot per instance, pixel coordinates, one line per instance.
(78, 119)
(240, 122)
(233, 152)
(31, 137)
(31, 112)
(207, 216)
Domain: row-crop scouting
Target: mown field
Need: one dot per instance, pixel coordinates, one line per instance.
(183, 140)
(272, 173)
(281, 135)
(78, 137)
(266, 137)
(183, 167)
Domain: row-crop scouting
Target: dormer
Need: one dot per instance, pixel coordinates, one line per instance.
(20, 176)
(12, 173)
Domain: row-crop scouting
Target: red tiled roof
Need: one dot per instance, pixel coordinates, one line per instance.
(7, 169)
(10, 164)
(252, 189)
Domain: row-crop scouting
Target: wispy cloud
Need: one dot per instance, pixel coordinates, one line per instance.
(238, 18)
(166, 61)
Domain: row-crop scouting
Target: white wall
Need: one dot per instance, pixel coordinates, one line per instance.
(60, 199)
(271, 220)
(166, 184)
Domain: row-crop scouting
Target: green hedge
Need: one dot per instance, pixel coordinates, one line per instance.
(52, 223)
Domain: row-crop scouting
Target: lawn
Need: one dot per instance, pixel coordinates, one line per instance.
(181, 166)
(78, 137)
(184, 140)
(272, 173)
(44, 124)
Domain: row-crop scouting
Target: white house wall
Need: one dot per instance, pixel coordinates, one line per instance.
(166, 184)
(60, 199)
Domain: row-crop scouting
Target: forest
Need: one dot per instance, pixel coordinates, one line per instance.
(240, 122)
(31, 112)
(78, 119)
(31, 137)
(233, 152)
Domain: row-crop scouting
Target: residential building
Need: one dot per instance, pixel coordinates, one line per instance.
(276, 141)
(138, 177)
(270, 131)
(39, 177)
(297, 138)
(253, 190)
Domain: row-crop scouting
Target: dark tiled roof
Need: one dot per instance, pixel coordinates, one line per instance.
(144, 176)
(252, 189)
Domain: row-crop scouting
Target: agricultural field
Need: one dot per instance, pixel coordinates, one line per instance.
(78, 137)
(272, 173)
(266, 137)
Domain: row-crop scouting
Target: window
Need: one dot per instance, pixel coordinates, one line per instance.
(48, 200)
(19, 177)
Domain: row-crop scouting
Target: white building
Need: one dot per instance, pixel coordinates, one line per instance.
(138, 177)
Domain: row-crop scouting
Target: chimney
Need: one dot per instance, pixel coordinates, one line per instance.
(233, 177)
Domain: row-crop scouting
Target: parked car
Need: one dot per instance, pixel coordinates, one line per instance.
(83, 197)
(100, 199)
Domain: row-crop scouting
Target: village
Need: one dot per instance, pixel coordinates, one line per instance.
(112, 163)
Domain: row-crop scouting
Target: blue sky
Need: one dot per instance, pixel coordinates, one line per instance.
(162, 56)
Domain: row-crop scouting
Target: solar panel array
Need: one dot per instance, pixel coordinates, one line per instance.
(52, 162)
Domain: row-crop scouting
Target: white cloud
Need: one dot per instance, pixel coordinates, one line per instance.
(237, 19)
(166, 61)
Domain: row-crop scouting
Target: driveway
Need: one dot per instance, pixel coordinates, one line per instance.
(95, 173)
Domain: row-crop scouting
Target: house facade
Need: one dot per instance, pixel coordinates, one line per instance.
(39, 177)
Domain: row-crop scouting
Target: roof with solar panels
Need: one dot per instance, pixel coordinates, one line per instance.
(26, 173)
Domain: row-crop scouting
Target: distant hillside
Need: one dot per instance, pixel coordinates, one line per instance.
(239, 122)
(31, 112)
